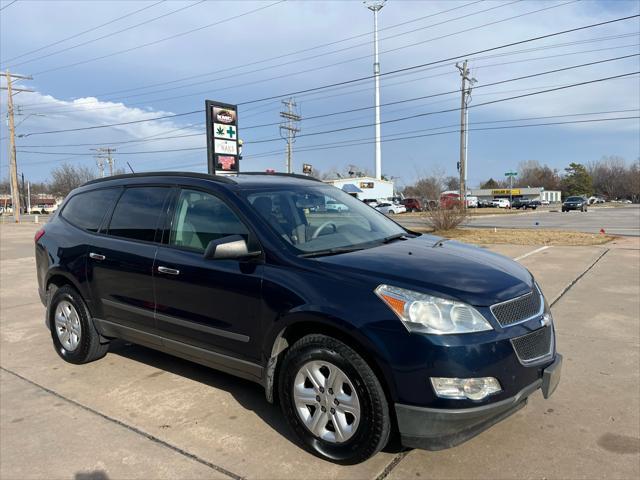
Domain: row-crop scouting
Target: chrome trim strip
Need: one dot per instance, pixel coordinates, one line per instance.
(538, 314)
(178, 321)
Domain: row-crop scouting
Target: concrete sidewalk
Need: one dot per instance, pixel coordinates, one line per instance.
(141, 414)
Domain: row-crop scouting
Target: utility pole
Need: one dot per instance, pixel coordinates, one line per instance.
(290, 129)
(466, 95)
(375, 7)
(102, 155)
(13, 164)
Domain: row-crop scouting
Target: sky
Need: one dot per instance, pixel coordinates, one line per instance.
(96, 63)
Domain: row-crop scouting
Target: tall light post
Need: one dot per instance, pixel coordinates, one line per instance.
(375, 6)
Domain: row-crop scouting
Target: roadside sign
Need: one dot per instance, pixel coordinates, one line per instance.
(223, 152)
(307, 168)
(511, 174)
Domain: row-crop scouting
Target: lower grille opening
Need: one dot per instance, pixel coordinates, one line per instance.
(534, 346)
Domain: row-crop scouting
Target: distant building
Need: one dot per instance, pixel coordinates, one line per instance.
(536, 193)
(365, 188)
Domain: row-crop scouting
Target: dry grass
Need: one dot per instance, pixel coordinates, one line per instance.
(513, 236)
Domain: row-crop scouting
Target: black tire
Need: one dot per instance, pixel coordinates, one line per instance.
(372, 433)
(89, 347)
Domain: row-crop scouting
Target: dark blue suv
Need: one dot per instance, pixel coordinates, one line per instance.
(362, 330)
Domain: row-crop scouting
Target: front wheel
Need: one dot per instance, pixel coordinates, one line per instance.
(333, 401)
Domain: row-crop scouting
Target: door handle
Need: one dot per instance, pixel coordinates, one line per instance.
(168, 271)
(97, 256)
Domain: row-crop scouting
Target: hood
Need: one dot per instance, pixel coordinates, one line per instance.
(439, 267)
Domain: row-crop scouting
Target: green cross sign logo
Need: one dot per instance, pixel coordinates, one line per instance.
(231, 132)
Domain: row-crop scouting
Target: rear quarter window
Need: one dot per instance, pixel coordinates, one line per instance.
(86, 210)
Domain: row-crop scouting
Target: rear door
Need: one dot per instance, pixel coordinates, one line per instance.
(212, 305)
(120, 261)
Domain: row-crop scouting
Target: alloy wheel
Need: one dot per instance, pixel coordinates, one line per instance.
(326, 401)
(67, 324)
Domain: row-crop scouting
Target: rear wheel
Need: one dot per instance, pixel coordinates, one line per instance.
(74, 336)
(333, 401)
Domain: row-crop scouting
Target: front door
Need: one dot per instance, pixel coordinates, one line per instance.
(213, 305)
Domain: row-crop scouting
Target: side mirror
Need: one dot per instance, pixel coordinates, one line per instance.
(229, 247)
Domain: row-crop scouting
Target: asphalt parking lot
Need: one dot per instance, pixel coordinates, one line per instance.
(141, 414)
(615, 221)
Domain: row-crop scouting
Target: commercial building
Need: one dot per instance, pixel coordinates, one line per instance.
(365, 188)
(536, 193)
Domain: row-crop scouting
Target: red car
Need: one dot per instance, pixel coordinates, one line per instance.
(411, 204)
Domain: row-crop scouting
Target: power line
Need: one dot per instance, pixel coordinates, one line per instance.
(422, 97)
(333, 131)
(83, 32)
(87, 42)
(234, 76)
(296, 52)
(367, 140)
(8, 5)
(155, 42)
(293, 61)
(55, 109)
(490, 102)
(317, 68)
(346, 82)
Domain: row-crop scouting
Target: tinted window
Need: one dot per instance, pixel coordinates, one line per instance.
(85, 210)
(137, 213)
(200, 218)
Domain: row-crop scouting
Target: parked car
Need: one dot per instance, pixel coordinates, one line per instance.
(484, 203)
(472, 202)
(411, 204)
(362, 329)
(333, 206)
(523, 203)
(544, 202)
(574, 203)
(391, 208)
(501, 203)
(371, 202)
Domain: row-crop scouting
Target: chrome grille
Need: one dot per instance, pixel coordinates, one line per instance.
(534, 346)
(518, 309)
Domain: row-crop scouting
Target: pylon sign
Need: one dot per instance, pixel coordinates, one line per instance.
(223, 146)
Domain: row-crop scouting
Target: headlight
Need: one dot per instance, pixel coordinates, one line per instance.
(426, 314)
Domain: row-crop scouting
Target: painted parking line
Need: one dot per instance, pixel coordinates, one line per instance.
(537, 250)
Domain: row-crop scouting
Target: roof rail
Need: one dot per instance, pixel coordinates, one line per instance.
(282, 174)
(206, 176)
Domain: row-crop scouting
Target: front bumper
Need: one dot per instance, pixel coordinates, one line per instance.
(437, 429)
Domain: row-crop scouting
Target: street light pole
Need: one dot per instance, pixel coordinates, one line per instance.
(375, 7)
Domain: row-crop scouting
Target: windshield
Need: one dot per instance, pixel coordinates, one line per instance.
(316, 219)
(574, 199)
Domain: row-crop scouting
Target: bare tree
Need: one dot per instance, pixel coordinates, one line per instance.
(66, 177)
(609, 176)
(532, 174)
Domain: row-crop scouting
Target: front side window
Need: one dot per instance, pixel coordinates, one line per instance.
(137, 213)
(317, 219)
(201, 217)
(85, 210)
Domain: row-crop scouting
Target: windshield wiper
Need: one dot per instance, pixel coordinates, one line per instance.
(397, 236)
(330, 251)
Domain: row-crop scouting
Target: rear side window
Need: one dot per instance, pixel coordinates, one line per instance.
(137, 213)
(86, 210)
